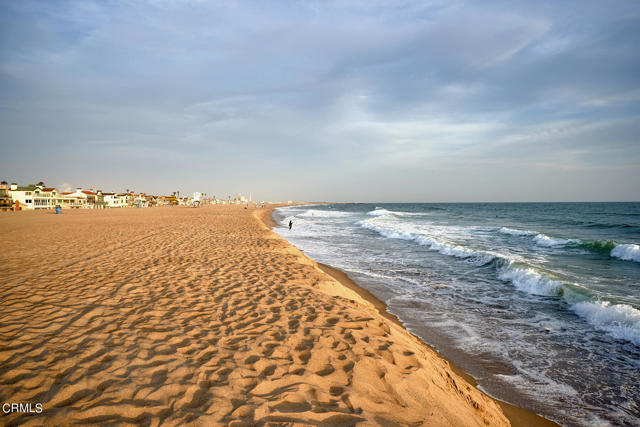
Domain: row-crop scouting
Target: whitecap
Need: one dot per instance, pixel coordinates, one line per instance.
(379, 212)
(622, 321)
(446, 248)
(551, 242)
(627, 252)
(514, 232)
(324, 213)
(530, 280)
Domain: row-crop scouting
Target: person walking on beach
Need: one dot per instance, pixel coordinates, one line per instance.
(290, 224)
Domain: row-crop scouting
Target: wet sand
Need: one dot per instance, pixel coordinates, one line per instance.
(206, 317)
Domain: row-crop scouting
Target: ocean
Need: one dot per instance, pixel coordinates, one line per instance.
(540, 302)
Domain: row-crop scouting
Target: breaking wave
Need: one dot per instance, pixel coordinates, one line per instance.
(553, 242)
(446, 248)
(628, 252)
(324, 214)
(529, 280)
(540, 238)
(621, 321)
(378, 211)
(623, 251)
(599, 246)
(514, 232)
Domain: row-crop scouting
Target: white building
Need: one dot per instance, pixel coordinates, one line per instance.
(34, 196)
(113, 200)
(75, 200)
(44, 197)
(240, 199)
(24, 195)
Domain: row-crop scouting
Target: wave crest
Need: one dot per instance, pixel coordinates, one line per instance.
(514, 232)
(379, 212)
(324, 214)
(599, 245)
(529, 280)
(622, 321)
(553, 242)
(627, 252)
(475, 257)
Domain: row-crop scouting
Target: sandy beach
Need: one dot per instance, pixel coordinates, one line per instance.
(204, 317)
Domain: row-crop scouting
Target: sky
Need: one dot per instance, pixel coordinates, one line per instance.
(389, 101)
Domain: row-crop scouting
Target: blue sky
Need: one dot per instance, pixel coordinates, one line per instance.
(306, 100)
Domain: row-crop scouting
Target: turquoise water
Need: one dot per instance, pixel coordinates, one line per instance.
(539, 301)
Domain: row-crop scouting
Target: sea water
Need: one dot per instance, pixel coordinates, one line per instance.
(540, 302)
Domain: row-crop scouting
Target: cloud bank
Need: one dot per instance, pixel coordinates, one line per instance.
(344, 101)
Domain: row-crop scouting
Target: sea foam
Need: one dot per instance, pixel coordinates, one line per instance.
(514, 232)
(539, 238)
(622, 321)
(552, 242)
(445, 248)
(529, 280)
(627, 252)
(379, 212)
(324, 213)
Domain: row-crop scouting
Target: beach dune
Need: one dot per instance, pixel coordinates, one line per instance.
(205, 317)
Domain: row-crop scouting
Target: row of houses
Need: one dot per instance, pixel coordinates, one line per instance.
(38, 196)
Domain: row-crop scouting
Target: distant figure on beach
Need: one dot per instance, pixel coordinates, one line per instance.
(290, 224)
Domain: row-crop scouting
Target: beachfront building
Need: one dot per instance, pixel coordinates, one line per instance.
(80, 199)
(92, 198)
(196, 198)
(135, 200)
(44, 197)
(168, 200)
(32, 196)
(145, 200)
(240, 199)
(88, 198)
(113, 200)
(73, 200)
(6, 202)
(130, 198)
(23, 195)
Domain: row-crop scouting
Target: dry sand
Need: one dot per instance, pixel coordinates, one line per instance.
(204, 317)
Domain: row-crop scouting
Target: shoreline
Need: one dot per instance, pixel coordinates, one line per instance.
(203, 316)
(517, 416)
